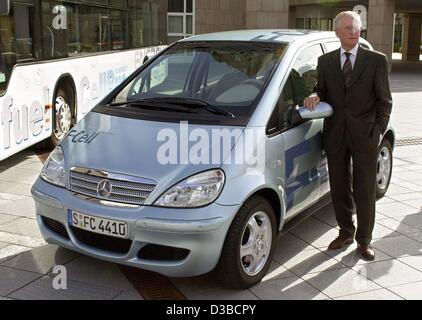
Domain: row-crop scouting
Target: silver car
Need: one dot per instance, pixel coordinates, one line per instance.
(199, 159)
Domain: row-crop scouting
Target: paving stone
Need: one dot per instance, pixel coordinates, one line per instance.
(315, 232)
(25, 207)
(397, 247)
(42, 259)
(414, 220)
(413, 261)
(12, 279)
(340, 282)
(410, 185)
(406, 196)
(416, 236)
(409, 291)
(398, 226)
(23, 175)
(129, 295)
(10, 197)
(290, 245)
(277, 271)
(410, 176)
(380, 294)
(394, 189)
(31, 165)
(292, 288)
(416, 203)
(309, 261)
(5, 218)
(327, 216)
(389, 273)
(15, 188)
(42, 289)
(89, 270)
(381, 231)
(10, 250)
(396, 209)
(21, 240)
(207, 288)
(22, 226)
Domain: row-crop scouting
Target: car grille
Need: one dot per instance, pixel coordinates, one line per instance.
(124, 189)
(102, 242)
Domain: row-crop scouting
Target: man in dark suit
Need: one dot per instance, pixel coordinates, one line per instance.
(354, 81)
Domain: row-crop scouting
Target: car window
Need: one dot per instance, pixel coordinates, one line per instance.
(304, 72)
(229, 75)
(282, 114)
(332, 45)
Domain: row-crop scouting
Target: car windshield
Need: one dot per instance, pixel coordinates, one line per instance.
(224, 77)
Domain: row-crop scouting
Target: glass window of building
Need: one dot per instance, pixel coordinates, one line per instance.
(181, 19)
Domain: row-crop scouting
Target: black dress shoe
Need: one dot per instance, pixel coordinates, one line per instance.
(366, 251)
(340, 242)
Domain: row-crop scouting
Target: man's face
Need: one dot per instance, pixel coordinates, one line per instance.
(348, 32)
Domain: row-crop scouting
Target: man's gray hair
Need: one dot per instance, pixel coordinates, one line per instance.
(354, 15)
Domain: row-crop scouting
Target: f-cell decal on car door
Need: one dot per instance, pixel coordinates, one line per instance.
(296, 182)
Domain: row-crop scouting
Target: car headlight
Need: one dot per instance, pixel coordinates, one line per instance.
(195, 191)
(53, 170)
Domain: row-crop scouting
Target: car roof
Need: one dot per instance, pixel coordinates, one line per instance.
(263, 35)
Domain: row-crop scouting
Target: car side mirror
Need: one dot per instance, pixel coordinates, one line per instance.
(4, 7)
(145, 59)
(322, 110)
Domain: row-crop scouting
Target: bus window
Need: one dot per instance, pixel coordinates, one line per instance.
(23, 31)
(54, 29)
(7, 52)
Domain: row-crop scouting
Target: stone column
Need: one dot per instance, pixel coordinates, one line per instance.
(381, 26)
(261, 14)
(412, 28)
(219, 15)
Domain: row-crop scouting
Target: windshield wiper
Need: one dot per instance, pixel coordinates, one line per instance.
(197, 103)
(181, 102)
(143, 103)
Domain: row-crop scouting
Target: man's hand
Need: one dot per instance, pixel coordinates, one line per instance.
(311, 101)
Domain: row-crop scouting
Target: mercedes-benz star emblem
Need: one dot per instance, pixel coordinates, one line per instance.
(104, 188)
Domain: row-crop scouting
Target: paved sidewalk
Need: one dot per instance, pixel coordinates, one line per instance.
(302, 267)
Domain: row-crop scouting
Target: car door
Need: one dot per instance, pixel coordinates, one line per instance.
(303, 155)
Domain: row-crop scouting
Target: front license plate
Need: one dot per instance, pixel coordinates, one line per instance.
(90, 223)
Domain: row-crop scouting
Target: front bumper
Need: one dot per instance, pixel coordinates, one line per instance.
(200, 231)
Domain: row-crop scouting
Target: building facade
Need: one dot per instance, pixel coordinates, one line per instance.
(387, 24)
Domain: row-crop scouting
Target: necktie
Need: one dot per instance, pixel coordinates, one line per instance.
(347, 70)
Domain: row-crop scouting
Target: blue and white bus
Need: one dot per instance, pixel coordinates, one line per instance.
(59, 58)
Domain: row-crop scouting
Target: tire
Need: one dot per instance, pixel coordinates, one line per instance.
(236, 271)
(384, 168)
(63, 115)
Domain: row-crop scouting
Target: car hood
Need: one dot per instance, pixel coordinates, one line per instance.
(161, 151)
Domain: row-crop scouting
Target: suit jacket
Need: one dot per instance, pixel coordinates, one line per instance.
(362, 110)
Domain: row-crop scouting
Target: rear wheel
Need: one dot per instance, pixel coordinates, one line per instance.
(64, 117)
(249, 245)
(384, 168)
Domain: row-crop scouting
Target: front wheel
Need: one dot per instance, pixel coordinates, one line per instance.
(249, 245)
(384, 168)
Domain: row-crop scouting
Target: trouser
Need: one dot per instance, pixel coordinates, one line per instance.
(353, 184)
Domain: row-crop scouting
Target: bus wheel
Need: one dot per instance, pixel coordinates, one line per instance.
(63, 114)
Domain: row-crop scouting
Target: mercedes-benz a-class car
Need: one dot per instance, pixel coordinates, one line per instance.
(199, 159)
